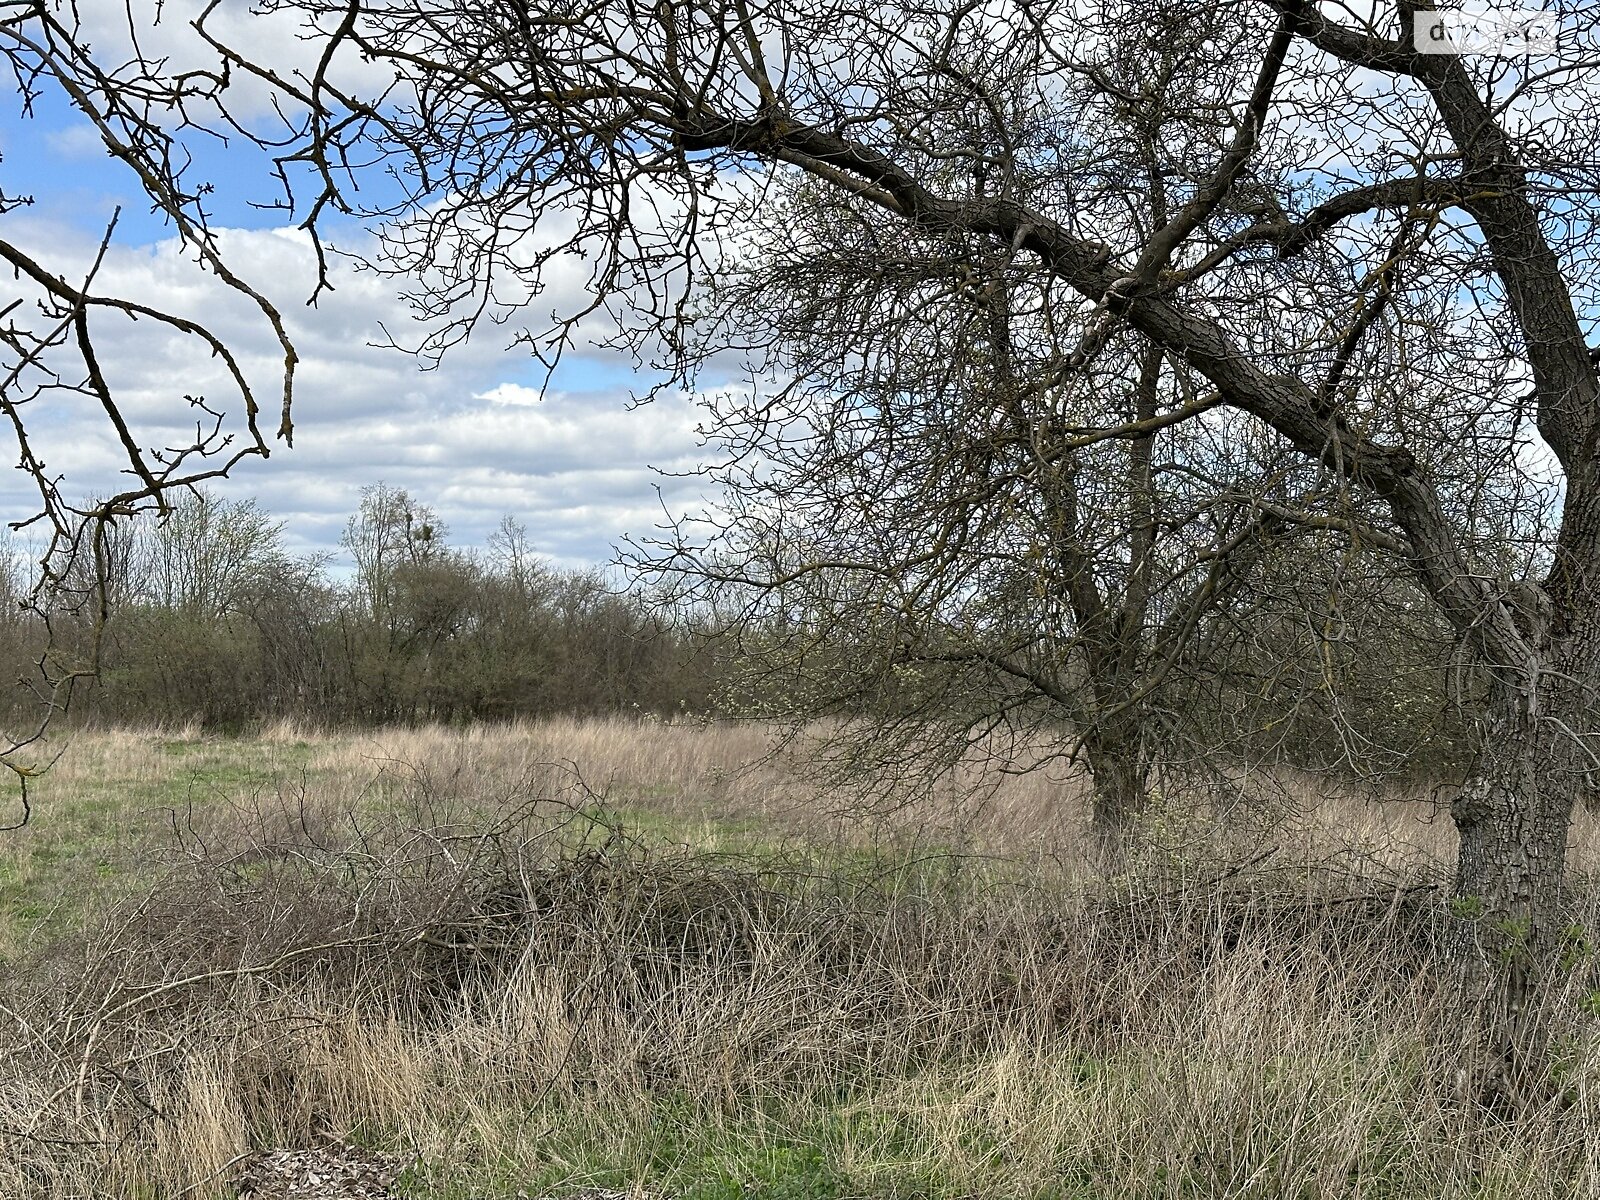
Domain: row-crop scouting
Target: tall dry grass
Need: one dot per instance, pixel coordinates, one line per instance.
(706, 982)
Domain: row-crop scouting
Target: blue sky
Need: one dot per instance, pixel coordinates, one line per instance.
(481, 437)
(475, 439)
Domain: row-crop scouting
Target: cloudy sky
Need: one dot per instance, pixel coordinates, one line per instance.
(477, 438)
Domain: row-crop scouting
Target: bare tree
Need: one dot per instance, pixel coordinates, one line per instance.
(1377, 255)
(389, 533)
(943, 525)
(203, 556)
(59, 315)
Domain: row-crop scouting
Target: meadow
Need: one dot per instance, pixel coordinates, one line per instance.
(535, 959)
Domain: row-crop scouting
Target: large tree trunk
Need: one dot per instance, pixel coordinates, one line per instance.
(1512, 817)
(1119, 773)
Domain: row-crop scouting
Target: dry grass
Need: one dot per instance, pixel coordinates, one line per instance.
(612, 954)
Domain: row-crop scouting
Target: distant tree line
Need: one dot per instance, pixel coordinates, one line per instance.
(210, 618)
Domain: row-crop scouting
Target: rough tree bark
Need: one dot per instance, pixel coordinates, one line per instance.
(1512, 816)
(1120, 777)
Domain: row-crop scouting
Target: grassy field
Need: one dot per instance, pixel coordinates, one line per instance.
(536, 959)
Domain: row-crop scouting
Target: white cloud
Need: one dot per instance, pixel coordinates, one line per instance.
(473, 438)
(273, 40)
(78, 143)
(512, 395)
(476, 438)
